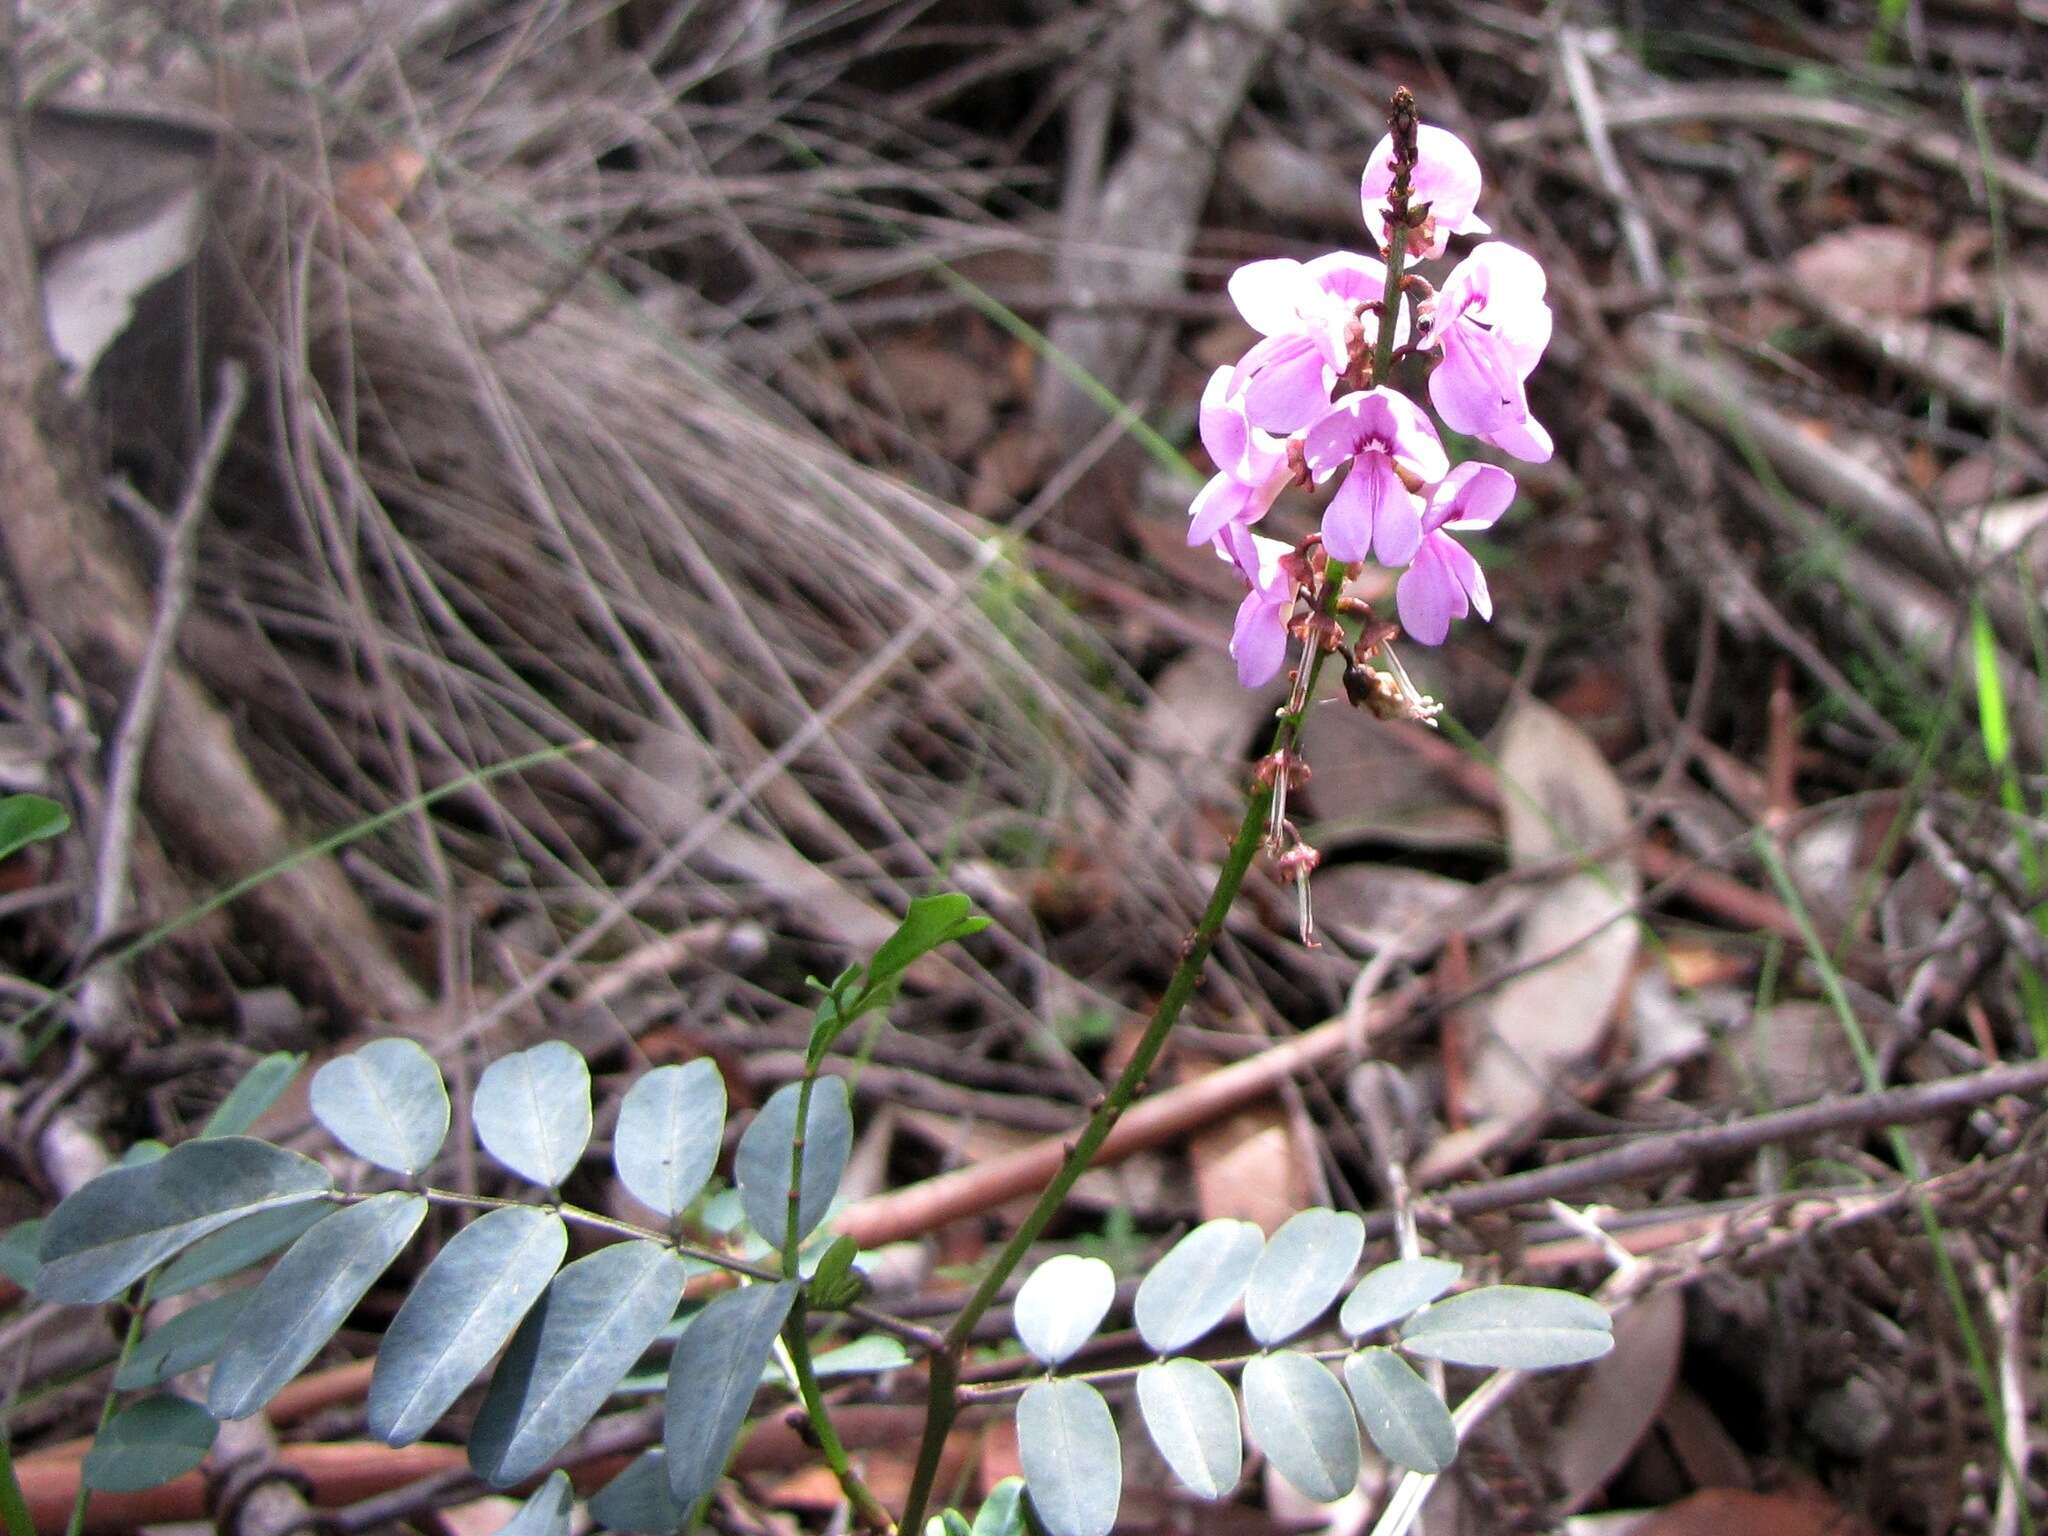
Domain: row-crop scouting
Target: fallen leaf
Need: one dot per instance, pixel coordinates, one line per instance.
(1619, 1398)
(91, 285)
(1726, 1511)
(1560, 800)
(1249, 1165)
(1881, 269)
(1194, 732)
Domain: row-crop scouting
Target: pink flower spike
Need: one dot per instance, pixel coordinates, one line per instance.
(1373, 511)
(1258, 639)
(1445, 582)
(1446, 177)
(1492, 323)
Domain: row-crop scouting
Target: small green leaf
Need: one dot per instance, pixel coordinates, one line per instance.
(1512, 1327)
(1991, 715)
(953, 1523)
(129, 1220)
(1062, 1304)
(18, 1245)
(1002, 1512)
(866, 1355)
(546, 1512)
(1073, 1462)
(638, 1499)
(194, 1337)
(386, 1103)
(1393, 1291)
(143, 1153)
(596, 1318)
(26, 819)
(148, 1443)
(459, 1314)
(670, 1125)
(1192, 1417)
(234, 1248)
(930, 922)
(306, 1297)
(761, 1165)
(1303, 1267)
(712, 1380)
(1401, 1411)
(834, 1283)
(260, 1087)
(1302, 1420)
(1194, 1286)
(532, 1111)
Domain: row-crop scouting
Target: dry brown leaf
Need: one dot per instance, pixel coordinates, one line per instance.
(1249, 1165)
(1620, 1398)
(1560, 800)
(1729, 1511)
(1882, 270)
(1194, 730)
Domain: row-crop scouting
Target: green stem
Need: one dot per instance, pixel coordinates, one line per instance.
(14, 1516)
(792, 1238)
(941, 1404)
(796, 1338)
(76, 1524)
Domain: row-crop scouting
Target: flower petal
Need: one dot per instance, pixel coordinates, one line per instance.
(1397, 518)
(1428, 595)
(1349, 518)
(1290, 390)
(1471, 497)
(1269, 294)
(1222, 501)
(1525, 439)
(1258, 640)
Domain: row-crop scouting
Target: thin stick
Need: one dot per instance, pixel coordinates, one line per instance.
(111, 860)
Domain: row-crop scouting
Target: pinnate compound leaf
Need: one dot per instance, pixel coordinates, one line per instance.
(236, 1246)
(1302, 1420)
(259, 1088)
(1002, 1512)
(194, 1337)
(386, 1103)
(546, 1510)
(1073, 1462)
(459, 1314)
(1062, 1304)
(26, 819)
(712, 1379)
(1193, 1287)
(532, 1111)
(147, 1443)
(638, 1499)
(306, 1296)
(1394, 1291)
(596, 1318)
(670, 1125)
(761, 1165)
(1512, 1327)
(1406, 1419)
(129, 1220)
(1192, 1417)
(1303, 1267)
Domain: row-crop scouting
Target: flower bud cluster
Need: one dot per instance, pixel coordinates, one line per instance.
(1304, 405)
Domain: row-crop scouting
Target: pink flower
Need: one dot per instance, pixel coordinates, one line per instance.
(1445, 582)
(1492, 323)
(1258, 640)
(1373, 511)
(1251, 465)
(1308, 315)
(1446, 177)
